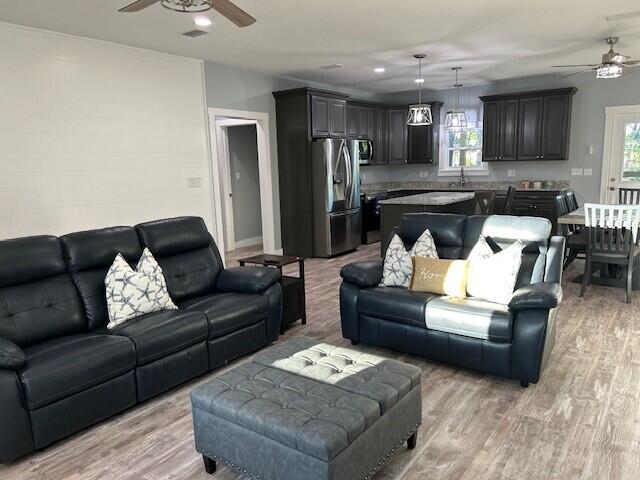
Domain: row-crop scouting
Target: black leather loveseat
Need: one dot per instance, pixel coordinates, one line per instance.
(62, 370)
(512, 341)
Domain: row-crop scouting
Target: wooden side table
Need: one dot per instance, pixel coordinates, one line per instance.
(293, 295)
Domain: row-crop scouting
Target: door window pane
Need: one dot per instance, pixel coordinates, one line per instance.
(631, 152)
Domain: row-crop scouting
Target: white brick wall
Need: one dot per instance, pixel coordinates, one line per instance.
(95, 134)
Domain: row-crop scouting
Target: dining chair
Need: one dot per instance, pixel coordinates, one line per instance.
(575, 239)
(629, 196)
(485, 202)
(572, 201)
(611, 232)
(508, 205)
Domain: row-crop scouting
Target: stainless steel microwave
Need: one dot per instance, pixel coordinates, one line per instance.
(362, 150)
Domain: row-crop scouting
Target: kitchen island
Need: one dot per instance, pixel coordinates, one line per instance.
(392, 209)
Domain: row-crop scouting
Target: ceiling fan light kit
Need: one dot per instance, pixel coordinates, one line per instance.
(187, 6)
(610, 70)
(419, 114)
(611, 65)
(456, 119)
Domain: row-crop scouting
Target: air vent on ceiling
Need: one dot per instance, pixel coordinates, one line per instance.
(622, 16)
(194, 33)
(331, 66)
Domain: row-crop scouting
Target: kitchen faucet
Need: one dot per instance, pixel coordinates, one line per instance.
(462, 180)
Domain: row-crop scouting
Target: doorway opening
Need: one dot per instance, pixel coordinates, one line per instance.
(220, 120)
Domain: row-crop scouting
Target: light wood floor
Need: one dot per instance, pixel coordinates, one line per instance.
(582, 421)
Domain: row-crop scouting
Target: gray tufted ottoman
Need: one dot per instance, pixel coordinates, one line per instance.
(304, 410)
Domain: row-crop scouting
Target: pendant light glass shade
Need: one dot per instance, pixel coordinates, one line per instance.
(187, 6)
(456, 119)
(419, 114)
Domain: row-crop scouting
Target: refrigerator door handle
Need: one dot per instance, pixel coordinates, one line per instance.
(349, 175)
(370, 151)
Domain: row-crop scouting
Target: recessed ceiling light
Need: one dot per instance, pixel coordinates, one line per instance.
(202, 21)
(419, 80)
(379, 69)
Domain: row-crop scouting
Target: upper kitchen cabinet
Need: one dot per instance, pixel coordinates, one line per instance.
(527, 126)
(328, 116)
(381, 139)
(397, 135)
(423, 141)
(362, 120)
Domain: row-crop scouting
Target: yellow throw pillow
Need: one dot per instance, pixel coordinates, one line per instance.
(446, 277)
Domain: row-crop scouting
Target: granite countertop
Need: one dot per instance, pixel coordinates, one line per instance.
(433, 198)
(448, 186)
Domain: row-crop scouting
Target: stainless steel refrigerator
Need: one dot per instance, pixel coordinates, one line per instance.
(336, 198)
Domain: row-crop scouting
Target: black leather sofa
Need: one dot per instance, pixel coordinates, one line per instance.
(61, 370)
(513, 341)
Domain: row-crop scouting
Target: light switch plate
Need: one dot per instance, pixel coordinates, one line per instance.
(194, 182)
(590, 150)
(587, 172)
(576, 172)
(511, 172)
(363, 175)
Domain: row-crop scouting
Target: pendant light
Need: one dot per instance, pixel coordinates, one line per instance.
(419, 114)
(456, 119)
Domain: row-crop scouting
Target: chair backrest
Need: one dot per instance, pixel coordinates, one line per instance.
(38, 300)
(89, 256)
(508, 205)
(611, 229)
(485, 202)
(562, 209)
(629, 196)
(572, 201)
(503, 230)
(185, 250)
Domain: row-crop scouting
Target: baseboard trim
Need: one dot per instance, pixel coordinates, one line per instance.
(248, 242)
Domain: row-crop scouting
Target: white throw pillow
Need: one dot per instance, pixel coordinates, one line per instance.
(398, 267)
(131, 293)
(493, 276)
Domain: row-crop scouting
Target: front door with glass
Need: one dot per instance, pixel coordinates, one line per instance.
(622, 152)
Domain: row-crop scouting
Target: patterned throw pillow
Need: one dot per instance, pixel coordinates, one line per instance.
(131, 293)
(398, 267)
(492, 276)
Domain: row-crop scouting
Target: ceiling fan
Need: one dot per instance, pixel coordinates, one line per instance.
(611, 65)
(225, 7)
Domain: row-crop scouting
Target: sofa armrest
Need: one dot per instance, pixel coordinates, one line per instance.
(544, 295)
(11, 356)
(363, 274)
(247, 279)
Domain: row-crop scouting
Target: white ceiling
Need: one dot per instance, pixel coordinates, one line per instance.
(491, 39)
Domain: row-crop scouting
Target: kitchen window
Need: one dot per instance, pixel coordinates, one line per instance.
(463, 148)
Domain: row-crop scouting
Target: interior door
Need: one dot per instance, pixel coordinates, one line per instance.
(623, 155)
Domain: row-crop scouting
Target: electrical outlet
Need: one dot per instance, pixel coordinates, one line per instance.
(590, 150)
(511, 172)
(424, 173)
(237, 175)
(364, 176)
(194, 182)
(587, 172)
(576, 172)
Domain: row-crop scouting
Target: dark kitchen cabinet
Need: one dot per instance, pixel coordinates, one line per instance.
(328, 117)
(352, 121)
(362, 117)
(536, 204)
(424, 141)
(530, 128)
(527, 126)
(380, 142)
(397, 136)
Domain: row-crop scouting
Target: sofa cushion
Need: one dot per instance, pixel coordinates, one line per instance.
(187, 254)
(395, 304)
(229, 312)
(38, 300)
(159, 334)
(61, 367)
(470, 318)
(89, 255)
(381, 379)
(447, 230)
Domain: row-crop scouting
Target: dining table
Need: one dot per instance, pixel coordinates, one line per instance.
(607, 275)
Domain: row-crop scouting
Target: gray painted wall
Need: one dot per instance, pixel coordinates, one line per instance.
(245, 182)
(239, 89)
(587, 128)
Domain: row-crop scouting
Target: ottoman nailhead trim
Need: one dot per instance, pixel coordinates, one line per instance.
(366, 477)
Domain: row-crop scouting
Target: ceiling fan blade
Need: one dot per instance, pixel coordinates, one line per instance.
(631, 63)
(233, 12)
(579, 65)
(579, 73)
(137, 6)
